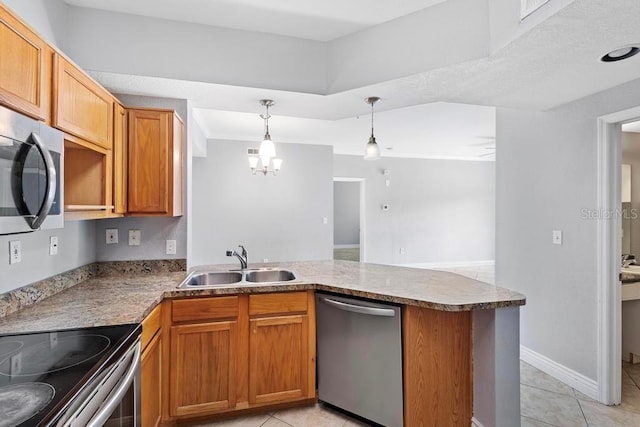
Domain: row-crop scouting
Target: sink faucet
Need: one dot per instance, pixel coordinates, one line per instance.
(241, 256)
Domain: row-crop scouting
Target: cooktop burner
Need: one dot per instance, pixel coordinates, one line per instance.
(56, 354)
(41, 373)
(20, 402)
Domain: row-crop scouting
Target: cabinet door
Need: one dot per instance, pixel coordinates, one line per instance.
(120, 159)
(203, 368)
(25, 68)
(81, 106)
(151, 398)
(278, 359)
(151, 162)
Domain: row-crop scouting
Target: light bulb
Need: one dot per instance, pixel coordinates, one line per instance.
(253, 162)
(372, 151)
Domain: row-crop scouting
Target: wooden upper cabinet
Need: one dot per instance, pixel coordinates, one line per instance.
(81, 106)
(25, 68)
(155, 163)
(119, 159)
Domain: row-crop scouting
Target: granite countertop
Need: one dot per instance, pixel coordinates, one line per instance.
(128, 298)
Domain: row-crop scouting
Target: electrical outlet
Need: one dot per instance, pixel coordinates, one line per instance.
(134, 237)
(171, 247)
(112, 236)
(325, 220)
(53, 245)
(557, 237)
(15, 252)
(403, 251)
(265, 260)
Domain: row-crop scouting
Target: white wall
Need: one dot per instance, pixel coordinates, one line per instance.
(631, 156)
(76, 247)
(546, 178)
(275, 217)
(440, 211)
(47, 17)
(154, 230)
(346, 213)
(129, 44)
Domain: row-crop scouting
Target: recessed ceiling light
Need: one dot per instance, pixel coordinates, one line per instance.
(620, 53)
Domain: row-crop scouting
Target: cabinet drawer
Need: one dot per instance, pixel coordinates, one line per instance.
(187, 310)
(150, 325)
(292, 302)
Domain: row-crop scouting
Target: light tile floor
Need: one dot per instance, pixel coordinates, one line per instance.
(544, 400)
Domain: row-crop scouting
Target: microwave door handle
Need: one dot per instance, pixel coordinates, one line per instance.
(114, 398)
(50, 173)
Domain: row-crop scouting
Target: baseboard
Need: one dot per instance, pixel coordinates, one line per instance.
(345, 246)
(475, 423)
(560, 372)
(431, 265)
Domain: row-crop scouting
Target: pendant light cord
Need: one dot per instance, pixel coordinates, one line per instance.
(372, 119)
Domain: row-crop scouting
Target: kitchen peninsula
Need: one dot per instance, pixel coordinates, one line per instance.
(456, 330)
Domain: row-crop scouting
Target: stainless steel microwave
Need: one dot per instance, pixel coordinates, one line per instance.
(31, 174)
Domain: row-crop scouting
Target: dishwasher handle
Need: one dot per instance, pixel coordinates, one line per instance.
(372, 311)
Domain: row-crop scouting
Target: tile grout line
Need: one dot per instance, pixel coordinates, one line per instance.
(582, 412)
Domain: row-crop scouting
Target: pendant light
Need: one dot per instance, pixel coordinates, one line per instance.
(372, 151)
(267, 151)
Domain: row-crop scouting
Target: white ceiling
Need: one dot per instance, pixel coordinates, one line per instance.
(631, 127)
(439, 130)
(308, 19)
(552, 63)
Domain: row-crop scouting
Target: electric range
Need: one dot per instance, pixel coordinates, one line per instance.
(44, 375)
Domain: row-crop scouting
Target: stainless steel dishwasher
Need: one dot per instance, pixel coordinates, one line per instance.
(360, 357)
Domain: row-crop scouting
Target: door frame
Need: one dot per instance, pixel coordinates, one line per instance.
(609, 353)
(361, 181)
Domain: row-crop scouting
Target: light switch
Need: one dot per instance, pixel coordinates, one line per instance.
(557, 237)
(15, 252)
(53, 245)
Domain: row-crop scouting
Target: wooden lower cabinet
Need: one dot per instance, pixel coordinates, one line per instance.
(278, 358)
(203, 371)
(151, 396)
(235, 353)
(438, 374)
(151, 341)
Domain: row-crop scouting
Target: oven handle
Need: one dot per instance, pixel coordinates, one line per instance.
(115, 397)
(50, 171)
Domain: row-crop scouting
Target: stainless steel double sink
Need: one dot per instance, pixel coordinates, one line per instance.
(212, 279)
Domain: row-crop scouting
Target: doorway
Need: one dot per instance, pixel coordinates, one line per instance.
(348, 219)
(609, 253)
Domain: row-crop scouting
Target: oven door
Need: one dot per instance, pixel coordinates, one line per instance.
(112, 398)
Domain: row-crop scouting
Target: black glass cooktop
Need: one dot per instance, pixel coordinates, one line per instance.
(40, 373)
